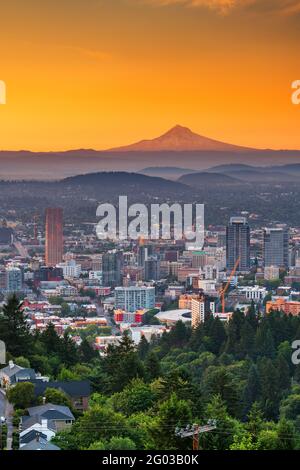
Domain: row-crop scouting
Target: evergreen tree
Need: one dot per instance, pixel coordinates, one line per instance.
(270, 393)
(253, 389)
(217, 335)
(14, 329)
(87, 352)
(68, 351)
(152, 366)
(121, 364)
(234, 332)
(255, 421)
(264, 342)
(179, 335)
(284, 375)
(143, 348)
(50, 340)
(246, 346)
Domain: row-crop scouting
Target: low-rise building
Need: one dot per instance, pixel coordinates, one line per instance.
(283, 305)
(253, 293)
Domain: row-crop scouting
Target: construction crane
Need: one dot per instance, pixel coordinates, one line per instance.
(195, 430)
(224, 289)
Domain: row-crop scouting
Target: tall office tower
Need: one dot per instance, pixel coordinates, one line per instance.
(276, 247)
(144, 251)
(54, 236)
(112, 264)
(238, 244)
(152, 269)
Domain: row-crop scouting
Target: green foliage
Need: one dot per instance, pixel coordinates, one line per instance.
(171, 414)
(244, 442)
(57, 397)
(121, 365)
(115, 443)
(239, 374)
(14, 329)
(21, 395)
(22, 362)
(99, 423)
(136, 397)
(67, 375)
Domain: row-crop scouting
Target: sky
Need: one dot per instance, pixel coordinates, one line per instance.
(104, 73)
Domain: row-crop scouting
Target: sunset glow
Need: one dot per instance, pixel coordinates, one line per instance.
(101, 73)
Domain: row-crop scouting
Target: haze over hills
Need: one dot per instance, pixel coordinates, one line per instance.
(202, 180)
(177, 148)
(121, 182)
(169, 172)
(270, 174)
(180, 139)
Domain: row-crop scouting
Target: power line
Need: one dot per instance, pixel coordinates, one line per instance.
(195, 430)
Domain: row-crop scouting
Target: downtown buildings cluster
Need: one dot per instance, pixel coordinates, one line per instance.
(80, 283)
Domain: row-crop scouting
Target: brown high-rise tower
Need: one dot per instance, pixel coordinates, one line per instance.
(54, 236)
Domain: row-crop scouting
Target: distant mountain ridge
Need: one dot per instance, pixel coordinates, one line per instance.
(271, 174)
(177, 148)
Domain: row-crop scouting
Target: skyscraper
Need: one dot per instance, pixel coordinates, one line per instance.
(112, 264)
(238, 244)
(152, 269)
(54, 236)
(276, 247)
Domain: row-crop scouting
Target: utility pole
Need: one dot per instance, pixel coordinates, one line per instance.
(195, 430)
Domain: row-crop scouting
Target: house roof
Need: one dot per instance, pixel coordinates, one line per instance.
(24, 374)
(31, 436)
(30, 421)
(72, 388)
(10, 371)
(50, 411)
(42, 444)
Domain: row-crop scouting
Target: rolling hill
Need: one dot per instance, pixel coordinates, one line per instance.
(203, 179)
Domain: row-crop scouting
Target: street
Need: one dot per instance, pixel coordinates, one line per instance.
(6, 410)
(102, 313)
(2, 404)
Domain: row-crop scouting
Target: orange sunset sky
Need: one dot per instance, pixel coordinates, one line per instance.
(104, 73)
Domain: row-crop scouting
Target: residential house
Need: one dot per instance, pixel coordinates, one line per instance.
(59, 417)
(13, 374)
(33, 426)
(79, 391)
